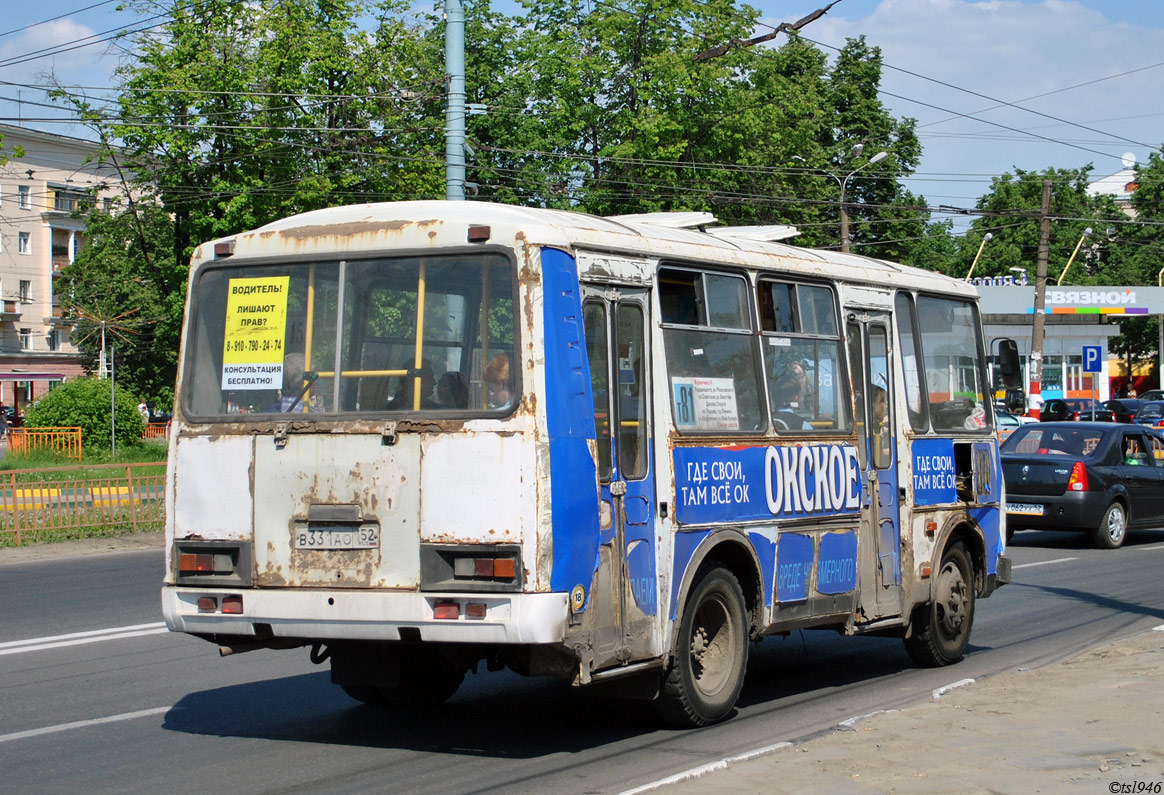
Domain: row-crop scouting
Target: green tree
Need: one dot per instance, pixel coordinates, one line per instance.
(1013, 206)
(233, 115)
(113, 278)
(85, 403)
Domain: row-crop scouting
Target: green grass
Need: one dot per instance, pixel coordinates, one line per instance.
(55, 535)
(146, 452)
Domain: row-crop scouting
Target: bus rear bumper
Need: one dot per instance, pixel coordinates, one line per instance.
(319, 614)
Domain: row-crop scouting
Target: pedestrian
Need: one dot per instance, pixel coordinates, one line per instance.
(144, 411)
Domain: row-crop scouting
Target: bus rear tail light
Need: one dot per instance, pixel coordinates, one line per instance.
(207, 604)
(475, 610)
(232, 604)
(1078, 479)
(484, 568)
(205, 563)
(446, 610)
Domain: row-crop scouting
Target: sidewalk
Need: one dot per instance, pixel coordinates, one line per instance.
(1092, 724)
(86, 546)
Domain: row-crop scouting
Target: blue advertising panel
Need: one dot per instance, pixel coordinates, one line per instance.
(933, 472)
(836, 570)
(741, 483)
(794, 556)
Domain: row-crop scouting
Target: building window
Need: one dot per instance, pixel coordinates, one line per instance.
(51, 339)
(25, 200)
(69, 200)
(25, 291)
(24, 243)
(26, 339)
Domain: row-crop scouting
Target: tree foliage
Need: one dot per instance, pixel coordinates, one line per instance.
(85, 403)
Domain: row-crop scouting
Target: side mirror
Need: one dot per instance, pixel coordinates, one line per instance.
(1008, 364)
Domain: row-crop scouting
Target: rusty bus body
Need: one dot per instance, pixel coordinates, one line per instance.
(417, 436)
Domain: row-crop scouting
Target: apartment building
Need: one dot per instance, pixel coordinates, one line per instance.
(45, 180)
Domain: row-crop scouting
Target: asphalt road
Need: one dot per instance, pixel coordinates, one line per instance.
(119, 705)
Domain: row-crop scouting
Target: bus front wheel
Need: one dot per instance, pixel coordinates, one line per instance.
(703, 682)
(941, 628)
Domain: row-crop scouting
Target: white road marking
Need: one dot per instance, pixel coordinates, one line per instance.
(78, 638)
(710, 767)
(1042, 563)
(81, 724)
(849, 723)
(944, 689)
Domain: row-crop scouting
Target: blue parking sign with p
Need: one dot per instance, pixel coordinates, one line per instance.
(1091, 358)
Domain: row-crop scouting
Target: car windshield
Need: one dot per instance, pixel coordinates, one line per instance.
(1149, 410)
(1040, 440)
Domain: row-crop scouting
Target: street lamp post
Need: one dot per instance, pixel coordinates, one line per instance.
(843, 183)
(985, 239)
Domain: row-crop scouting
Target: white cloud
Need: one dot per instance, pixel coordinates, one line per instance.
(1010, 50)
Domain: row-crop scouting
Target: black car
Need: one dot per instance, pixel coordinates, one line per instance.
(1124, 409)
(1098, 478)
(1061, 409)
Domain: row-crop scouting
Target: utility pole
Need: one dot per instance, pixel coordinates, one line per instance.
(455, 100)
(1034, 397)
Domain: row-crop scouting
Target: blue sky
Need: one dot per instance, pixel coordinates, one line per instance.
(1015, 51)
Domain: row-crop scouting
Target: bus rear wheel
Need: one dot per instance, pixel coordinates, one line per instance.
(426, 680)
(941, 628)
(703, 682)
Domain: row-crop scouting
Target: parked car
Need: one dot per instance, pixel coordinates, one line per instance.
(1007, 423)
(14, 418)
(1152, 394)
(1124, 409)
(1060, 409)
(1150, 413)
(1098, 478)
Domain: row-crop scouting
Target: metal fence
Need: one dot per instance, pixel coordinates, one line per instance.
(65, 442)
(156, 430)
(66, 498)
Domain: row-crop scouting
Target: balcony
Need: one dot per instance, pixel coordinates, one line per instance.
(11, 311)
(55, 317)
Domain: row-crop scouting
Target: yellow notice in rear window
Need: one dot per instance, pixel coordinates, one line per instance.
(255, 333)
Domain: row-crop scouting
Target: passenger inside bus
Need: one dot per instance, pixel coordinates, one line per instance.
(788, 398)
(451, 391)
(497, 384)
(403, 400)
(291, 396)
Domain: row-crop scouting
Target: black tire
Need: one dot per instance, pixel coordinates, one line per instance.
(426, 680)
(941, 629)
(364, 693)
(703, 682)
(1113, 528)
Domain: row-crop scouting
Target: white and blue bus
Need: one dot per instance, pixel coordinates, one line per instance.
(419, 436)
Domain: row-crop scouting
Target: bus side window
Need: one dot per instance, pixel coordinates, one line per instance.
(802, 357)
(711, 361)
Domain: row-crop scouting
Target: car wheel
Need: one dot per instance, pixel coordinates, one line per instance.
(1113, 528)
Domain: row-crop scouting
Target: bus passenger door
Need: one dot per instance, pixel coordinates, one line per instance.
(624, 596)
(873, 394)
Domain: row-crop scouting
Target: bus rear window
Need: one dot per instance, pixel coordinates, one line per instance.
(401, 335)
